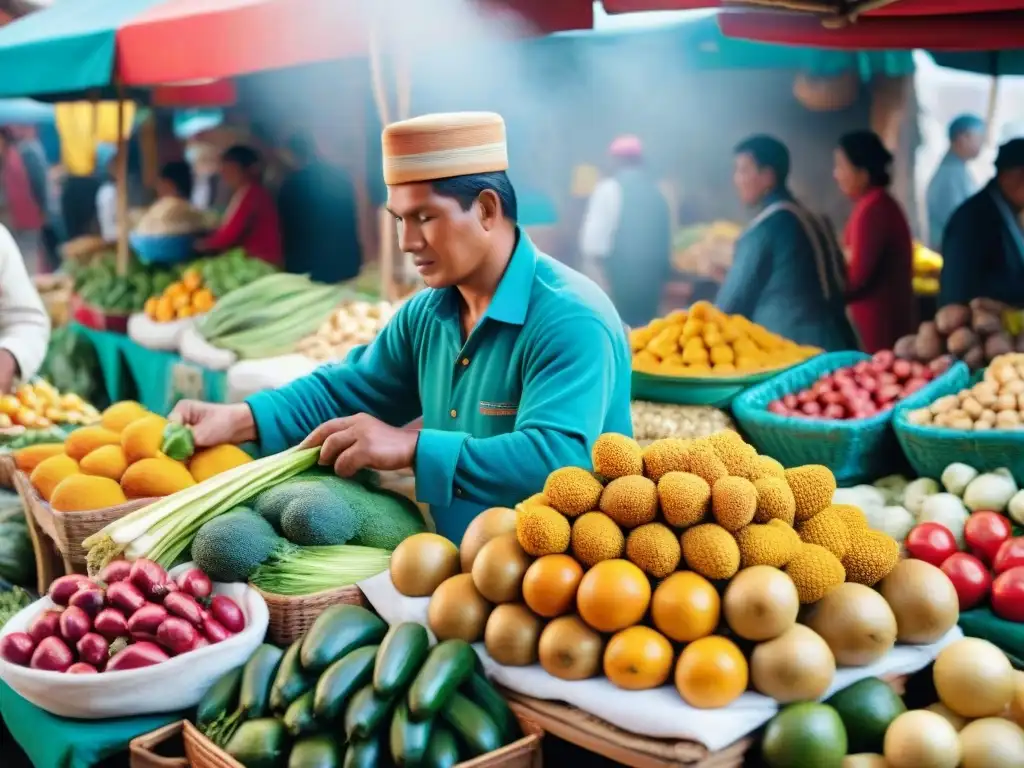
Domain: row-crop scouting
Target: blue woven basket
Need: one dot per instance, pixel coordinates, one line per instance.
(162, 249)
(856, 451)
(931, 449)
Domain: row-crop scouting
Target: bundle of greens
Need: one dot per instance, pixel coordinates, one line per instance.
(307, 570)
(11, 601)
(163, 530)
(269, 316)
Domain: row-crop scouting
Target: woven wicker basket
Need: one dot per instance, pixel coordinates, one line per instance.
(69, 529)
(7, 470)
(291, 616)
(143, 749)
(524, 753)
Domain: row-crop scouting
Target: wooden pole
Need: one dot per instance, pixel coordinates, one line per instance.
(993, 107)
(122, 189)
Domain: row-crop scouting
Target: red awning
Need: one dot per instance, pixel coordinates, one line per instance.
(184, 40)
(898, 8)
(986, 31)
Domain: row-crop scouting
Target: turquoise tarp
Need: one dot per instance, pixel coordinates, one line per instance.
(983, 62)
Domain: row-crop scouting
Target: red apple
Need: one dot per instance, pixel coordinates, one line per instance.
(1008, 595)
(970, 578)
(985, 533)
(1009, 555)
(931, 542)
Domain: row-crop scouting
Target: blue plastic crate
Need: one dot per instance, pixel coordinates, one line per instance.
(163, 249)
(856, 451)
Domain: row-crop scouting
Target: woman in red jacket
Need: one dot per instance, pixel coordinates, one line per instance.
(880, 250)
(251, 221)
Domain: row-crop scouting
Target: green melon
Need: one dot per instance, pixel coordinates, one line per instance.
(866, 709)
(804, 735)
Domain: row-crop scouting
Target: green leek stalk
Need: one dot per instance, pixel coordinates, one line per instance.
(307, 570)
(163, 530)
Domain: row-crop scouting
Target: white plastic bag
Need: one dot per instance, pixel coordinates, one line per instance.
(247, 377)
(168, 687)
(195, 349)
(153, 335)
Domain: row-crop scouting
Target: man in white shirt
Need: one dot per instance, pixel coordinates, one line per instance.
(24, 323)
(627, 234)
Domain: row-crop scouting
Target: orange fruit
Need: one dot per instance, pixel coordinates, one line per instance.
(613, 595)
(550, 583)
(711, 673)
(685, 607)
(638, 658)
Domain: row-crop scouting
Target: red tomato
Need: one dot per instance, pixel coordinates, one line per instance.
(931, 542)
(1009, 555)
(985, 532)
(970, 578)
(1008, 594)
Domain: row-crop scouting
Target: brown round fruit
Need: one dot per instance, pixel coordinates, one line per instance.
(923, 600)
(760, 603)
(921, 739)
(499, 568)
(856, 622)
(569, 649)
(457, 610)
(422, 562)
(550, 583)
(487, 525)
(992, 742)
(796, 666)
(512, 635)
(974, 678)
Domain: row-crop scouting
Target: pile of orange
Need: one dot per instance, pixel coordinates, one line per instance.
(185, 298)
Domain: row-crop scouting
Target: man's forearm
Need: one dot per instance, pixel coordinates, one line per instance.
(243, 424)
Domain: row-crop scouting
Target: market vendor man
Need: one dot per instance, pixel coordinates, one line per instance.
(515, 362)
(787, 272)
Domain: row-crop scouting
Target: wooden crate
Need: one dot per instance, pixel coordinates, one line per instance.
(142, 750)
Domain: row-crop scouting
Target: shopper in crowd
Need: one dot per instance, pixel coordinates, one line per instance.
(515, 362)
(319, 217)
(175, 180)
(20, 209)
(107, 159)
(953, 182)
(879, 246)
(24, 323)
(251, 220)
(787, 272)
(626, 234)
(983, 247)
(37, 168)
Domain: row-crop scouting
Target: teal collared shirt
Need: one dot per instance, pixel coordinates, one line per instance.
(543, 374)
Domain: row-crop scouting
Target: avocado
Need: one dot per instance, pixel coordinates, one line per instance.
(866, 709)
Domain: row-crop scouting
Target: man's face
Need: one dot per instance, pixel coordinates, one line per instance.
(752, 182)
(968, 144)
(447, 244)
(1011, 182)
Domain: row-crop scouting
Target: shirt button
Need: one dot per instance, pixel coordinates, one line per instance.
(453, 413)
(458, 492)
(465, 362)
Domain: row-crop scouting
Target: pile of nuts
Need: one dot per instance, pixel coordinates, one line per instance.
(996, 402)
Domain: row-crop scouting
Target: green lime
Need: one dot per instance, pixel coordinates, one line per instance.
(866, 708)
(804, 735)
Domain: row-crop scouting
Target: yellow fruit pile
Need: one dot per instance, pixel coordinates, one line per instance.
(185, 298)
(703, 341)
(691, 542)
(117, 460)
(39, 405)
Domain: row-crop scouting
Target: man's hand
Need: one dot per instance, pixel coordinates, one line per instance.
(8, 371)
(216, 424)
(362, 442)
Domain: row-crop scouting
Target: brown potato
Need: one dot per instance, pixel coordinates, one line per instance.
(986, 323)
(1006, 403)
(906, 347)
(975, 358)
(928, 344)
(951, 317)
(972, 407)
(988, 305)
(961, 341)
(997, 344)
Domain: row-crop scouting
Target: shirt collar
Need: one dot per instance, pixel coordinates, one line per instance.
(512, 298)
(777, 195)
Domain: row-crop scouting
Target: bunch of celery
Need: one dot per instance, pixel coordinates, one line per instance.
(306, 570)
(163, 530)
(269, 316)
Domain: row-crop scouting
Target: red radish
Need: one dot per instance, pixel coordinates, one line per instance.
(74, 624)
(777, 408)
(931, 542)
(202, 642)
(985, 533)
(970, 578)
(834, 411)
(861, 368)
(63, 588)
(81, 668)
(889, 392)
(144, 637)
(149, 578)
(52, 655)
(902, 369)
(226, 611)
(92, 649)
(1009, 555)
(811, 409)
(184, 606)
(147, 619)
(790, 401)
(89, 599)
(914, 385)
(46, 624)
(17, 648)
(111, 623)
(142, 654)
(214, 630)
(177, 635)
(887, 379)
(125, 596)
(115, 570)
(1008, 595)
